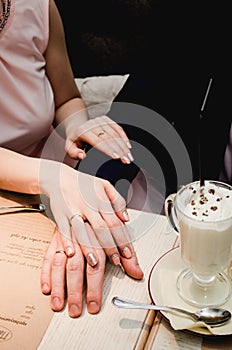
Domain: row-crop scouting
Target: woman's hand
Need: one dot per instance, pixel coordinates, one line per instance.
(76, 198)
(102, 133)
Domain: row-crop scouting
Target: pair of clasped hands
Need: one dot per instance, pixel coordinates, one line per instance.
(90, 216)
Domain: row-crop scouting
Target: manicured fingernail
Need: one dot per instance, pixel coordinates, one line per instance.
(126, 160)
(126, 252)
(129, 144)
(125, 215)
(69, 251)
(92, 261)
(56, 302)
(115, 155)
(73, 310)
(130, 156)
(115, 259)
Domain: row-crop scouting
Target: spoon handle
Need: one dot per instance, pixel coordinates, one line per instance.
(15, 208)
(123, 303)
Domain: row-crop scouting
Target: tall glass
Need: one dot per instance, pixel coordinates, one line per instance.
(203, 218)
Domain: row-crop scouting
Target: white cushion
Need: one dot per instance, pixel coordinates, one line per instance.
(98, 92)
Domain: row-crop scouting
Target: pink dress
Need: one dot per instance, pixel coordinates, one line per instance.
(26, 97)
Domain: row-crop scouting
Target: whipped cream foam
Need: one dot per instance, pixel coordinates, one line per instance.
(207, 203)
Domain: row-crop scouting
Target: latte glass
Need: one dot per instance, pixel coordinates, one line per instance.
(202, 215)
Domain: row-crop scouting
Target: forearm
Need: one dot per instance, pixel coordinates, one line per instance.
(67, 112)
(19, 173)
(30, 175)
(24, 174)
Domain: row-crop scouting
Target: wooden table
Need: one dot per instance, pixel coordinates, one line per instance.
(120, 329)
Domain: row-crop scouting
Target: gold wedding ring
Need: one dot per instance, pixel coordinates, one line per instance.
(101, 132)
(60, 251)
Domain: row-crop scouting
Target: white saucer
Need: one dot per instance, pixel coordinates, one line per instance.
(162, 290)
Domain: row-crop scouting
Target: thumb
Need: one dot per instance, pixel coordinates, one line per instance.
(74, 151)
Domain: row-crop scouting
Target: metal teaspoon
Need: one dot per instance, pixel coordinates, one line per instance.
(209, 315)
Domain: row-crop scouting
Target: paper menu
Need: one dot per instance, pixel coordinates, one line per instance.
(25, 312)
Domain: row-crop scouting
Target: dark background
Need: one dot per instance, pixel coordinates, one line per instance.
(170, 49)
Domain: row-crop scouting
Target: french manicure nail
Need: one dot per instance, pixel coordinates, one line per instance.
(125, 215)
(130, 156)
(92, 261)
(69, 251)
(115, 258)
(126, 252)
(128, 144)
(127, 160)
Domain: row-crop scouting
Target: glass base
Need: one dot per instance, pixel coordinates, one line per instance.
(215, 294)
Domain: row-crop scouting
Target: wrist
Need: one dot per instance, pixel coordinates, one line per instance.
(71, 114)
(52, 175)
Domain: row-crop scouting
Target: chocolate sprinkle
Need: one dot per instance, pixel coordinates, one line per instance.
(214, 208)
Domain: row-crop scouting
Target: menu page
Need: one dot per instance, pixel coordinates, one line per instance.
(25, 312)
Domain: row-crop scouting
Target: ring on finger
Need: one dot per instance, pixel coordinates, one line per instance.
(60, 251)
(101, 132)
(74, 215)
(78, 215)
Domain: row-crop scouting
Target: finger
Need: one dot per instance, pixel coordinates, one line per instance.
(74, 150)
(107, 143)
(118, 129)
(122, 145)
(58, 278)
(94, 276)
(75, 278)
(132, 267)
(81, 236)
(65, 232)
(104, 237)
(117, 228)
(47, 266)
(117, 201)
(45, 279)
(113, 145)
(120, 234)
(104, 134)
